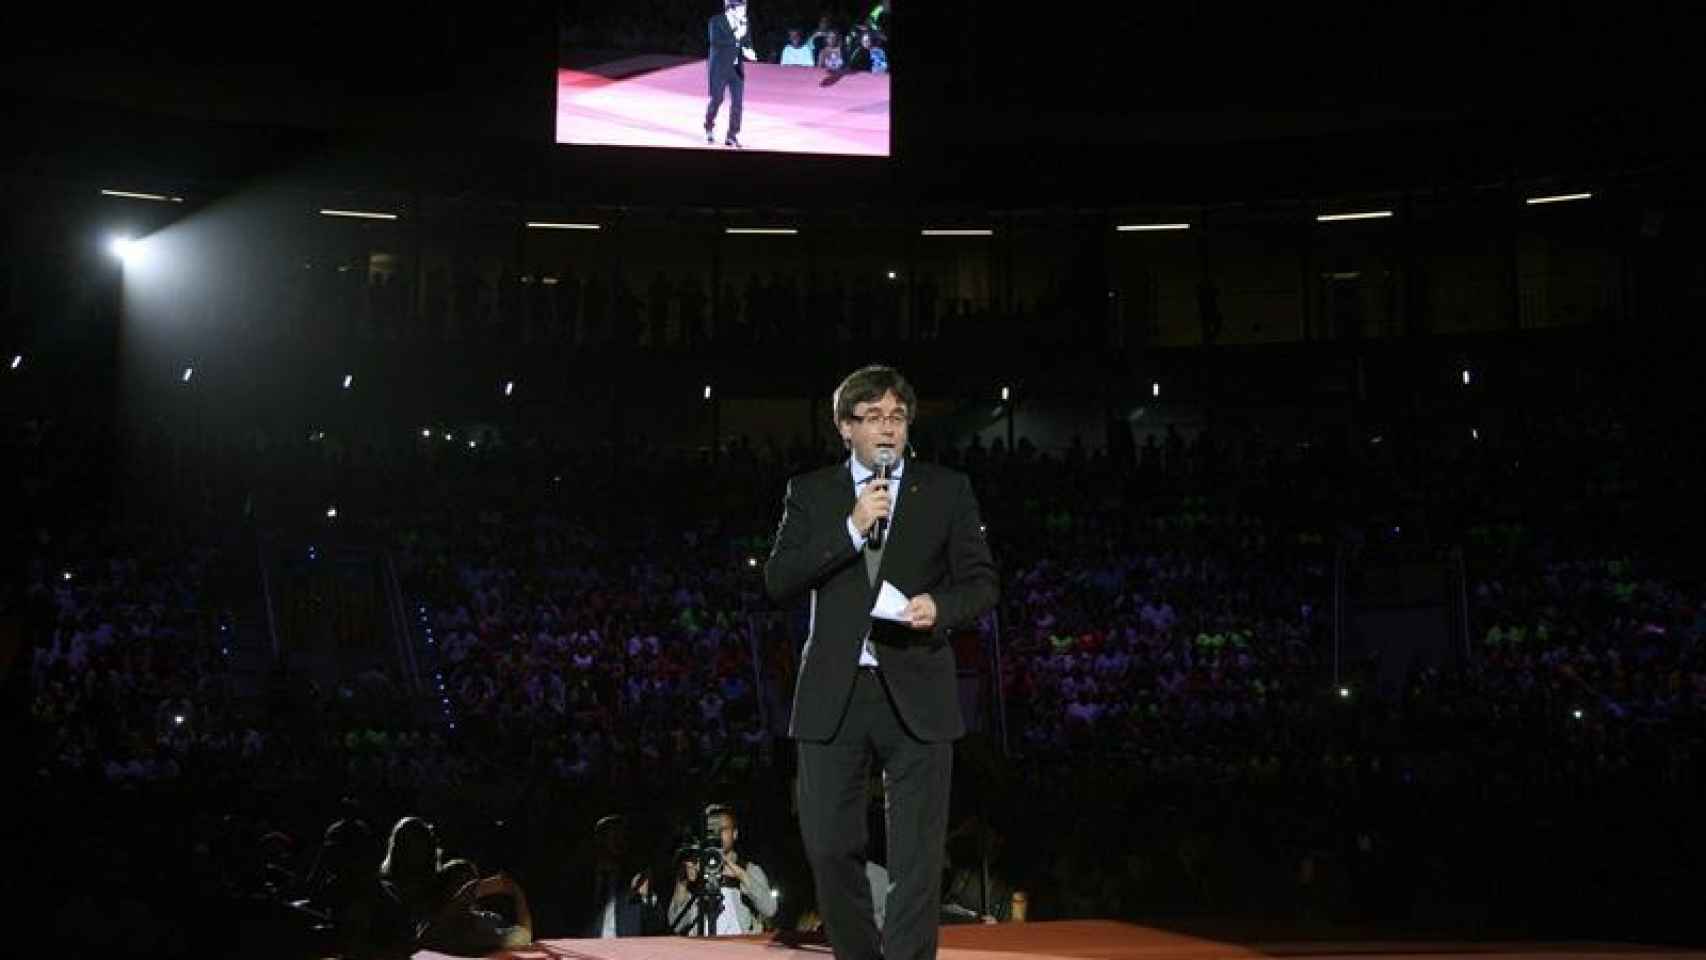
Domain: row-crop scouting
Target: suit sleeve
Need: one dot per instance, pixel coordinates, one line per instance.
(973, 583)
(810, 545)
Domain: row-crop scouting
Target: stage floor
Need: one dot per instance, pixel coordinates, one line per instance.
(658, 101)
(1078, 938)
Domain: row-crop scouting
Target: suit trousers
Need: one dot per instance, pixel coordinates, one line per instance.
(832, 784)
(727, 78)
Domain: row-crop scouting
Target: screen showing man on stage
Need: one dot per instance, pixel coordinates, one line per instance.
(725, 75)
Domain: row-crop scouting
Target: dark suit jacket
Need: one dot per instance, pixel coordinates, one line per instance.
(936, 546)
(725, 57)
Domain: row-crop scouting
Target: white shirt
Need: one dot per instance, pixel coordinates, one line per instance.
(728, 922)
(861, 475)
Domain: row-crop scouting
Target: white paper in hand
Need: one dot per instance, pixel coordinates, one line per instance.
(891, 604)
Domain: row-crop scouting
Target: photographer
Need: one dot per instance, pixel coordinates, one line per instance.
(622, 902)
(741, 899)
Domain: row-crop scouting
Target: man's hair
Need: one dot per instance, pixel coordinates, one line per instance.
(870, 383)
(413, 851)
(722, 810)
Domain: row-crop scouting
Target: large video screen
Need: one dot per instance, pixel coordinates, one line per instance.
(781, 76)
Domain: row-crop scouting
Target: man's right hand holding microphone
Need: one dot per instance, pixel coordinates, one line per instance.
(873, 504)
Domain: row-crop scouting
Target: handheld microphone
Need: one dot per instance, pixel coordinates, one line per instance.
(885, 462)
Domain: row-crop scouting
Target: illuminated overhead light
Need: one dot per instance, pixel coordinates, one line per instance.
(762, 231)
(1474, 433)
(548, 281)
(1155, 389)
(752, 561)
(1345, 275)
(509, 388)
(1344, 693)
(17, 360)
(1365, 215)
(1148, 227)
(188, 373)
(1466, 376)
(891, 274)
(979, 232)
(1576, 713)
(65, 575)
(553, 225)
(426, 434)
(1558, 198)
(349, 380)
(331, 513)
(359, 214)
(133, 195)
(473, 443)
(1005, 394)
(707, 391)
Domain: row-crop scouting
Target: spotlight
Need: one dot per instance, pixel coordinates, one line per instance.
(188, 373)
(349, 380)
(752, 561)
(1344, 693)
(509, 388)
(331, 513)
(1155, 389)
(471, 444)
(130, 251)
(426, 434)
(65, 575)
(707, 391)
(1466, 376)
(1005, 393)
(891, 274)
(17, 360)
(178, 719)
(1474, 433)
(1576, 713)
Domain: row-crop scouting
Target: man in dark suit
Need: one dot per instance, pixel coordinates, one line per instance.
(620, 901)
(731, 47)
(877, 687)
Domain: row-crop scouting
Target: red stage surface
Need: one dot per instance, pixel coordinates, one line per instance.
(659, 101)
(1077, 938)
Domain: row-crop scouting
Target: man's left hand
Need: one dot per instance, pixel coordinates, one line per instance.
(921, 612)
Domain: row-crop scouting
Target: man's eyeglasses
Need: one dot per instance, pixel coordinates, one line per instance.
(876, 419)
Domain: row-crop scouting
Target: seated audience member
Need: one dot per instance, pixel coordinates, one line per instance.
(410, 869)
(830, 57)
(461, 926)
(860, 57)
(820, 37)
(796, 52)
